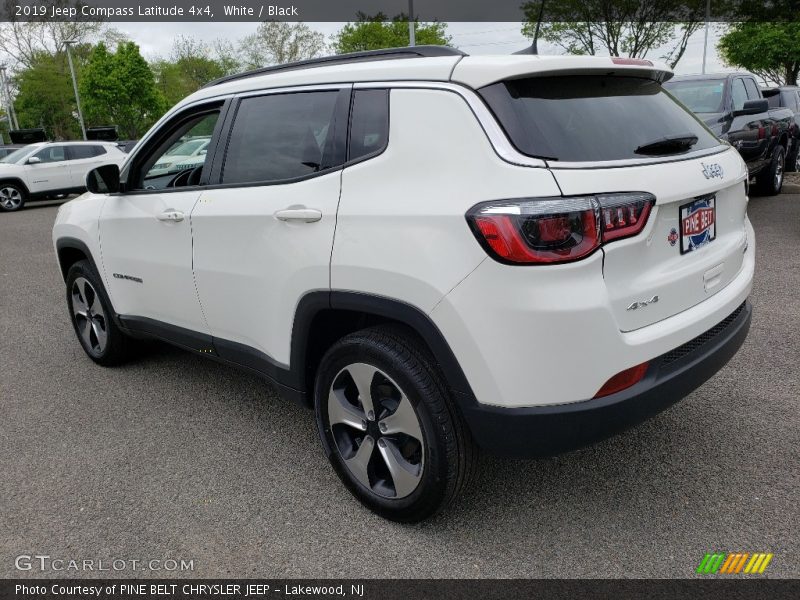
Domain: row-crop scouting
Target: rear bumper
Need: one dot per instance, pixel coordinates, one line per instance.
(552, 429)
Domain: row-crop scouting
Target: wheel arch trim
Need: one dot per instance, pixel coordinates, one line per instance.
(313, 303)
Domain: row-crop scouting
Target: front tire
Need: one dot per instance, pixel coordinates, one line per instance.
(388, 425)
(12, 197)
(770, 180)
(93, 318)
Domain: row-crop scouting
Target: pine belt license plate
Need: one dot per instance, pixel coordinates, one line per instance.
(698, 223)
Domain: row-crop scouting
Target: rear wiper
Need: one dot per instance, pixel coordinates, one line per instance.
(668, 145)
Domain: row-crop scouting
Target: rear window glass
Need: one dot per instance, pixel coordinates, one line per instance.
(591, 118)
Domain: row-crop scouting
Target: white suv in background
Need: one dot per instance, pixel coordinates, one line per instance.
(436, 252)
(49, 169)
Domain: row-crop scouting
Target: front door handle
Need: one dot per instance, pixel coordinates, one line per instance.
(299, 213)
(172, 215)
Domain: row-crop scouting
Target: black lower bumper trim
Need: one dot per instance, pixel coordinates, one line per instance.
(549, 430)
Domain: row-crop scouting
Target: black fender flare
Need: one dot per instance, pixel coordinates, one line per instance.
(414, 318)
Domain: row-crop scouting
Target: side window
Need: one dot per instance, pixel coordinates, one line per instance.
(738, 93)
(178, 157)
(51, 154)
(797, 100)
(752, 89)
(369, 123)
(281, 136)
(98, 150)
(78, 152)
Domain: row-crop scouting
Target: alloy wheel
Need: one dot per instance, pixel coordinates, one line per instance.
(10, 198)
(376, 431)
(779, 171)
(90, 318)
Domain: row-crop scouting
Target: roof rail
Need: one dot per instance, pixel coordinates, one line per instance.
(366, 55)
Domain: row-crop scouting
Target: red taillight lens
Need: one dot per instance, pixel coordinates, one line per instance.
(546, 231)
(623, 380)
(623, 215)
(557, 230)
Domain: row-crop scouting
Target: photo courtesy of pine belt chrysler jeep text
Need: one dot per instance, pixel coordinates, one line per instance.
(437, 253)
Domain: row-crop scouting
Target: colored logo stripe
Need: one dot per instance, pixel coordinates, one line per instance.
(734, 563)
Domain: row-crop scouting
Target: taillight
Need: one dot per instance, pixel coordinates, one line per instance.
(557, 230)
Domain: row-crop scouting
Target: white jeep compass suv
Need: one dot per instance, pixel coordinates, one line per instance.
(436, 252)
(47, 169)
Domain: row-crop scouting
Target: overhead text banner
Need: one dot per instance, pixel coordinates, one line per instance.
(424, 10)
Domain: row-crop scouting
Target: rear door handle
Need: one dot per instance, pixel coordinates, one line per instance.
(306, 215)
(172, 215)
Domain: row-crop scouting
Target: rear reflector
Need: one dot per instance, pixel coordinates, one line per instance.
(623, 380)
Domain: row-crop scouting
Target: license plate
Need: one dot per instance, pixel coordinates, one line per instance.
(698, 221)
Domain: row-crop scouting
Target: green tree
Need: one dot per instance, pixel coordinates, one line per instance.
(769, 50)
(119, 89)
(619, 27)
(376, 32)
(278, 42)
(45, 97)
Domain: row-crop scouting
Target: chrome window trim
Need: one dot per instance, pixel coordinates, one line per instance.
(497, 137)
(506, 150)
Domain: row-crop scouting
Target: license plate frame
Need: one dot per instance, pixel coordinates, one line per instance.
(698, 223)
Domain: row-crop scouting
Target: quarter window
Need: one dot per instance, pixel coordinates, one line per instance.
(179, 158)
(79, 152)
(281, 136)
(369, 124)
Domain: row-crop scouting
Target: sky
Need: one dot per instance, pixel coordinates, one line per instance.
(473, 38)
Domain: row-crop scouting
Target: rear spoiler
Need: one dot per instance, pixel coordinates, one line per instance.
(480, 71)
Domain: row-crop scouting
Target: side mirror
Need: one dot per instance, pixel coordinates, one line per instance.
(752, 107)
(34, 160)
(103, 180)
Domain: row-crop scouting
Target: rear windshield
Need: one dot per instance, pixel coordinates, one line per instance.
(591, 118)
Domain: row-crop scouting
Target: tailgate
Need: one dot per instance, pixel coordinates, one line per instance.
(648, 277)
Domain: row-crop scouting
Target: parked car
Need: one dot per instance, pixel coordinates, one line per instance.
(49, 169)
(8, 149)
(788, 97)
(497, 278)
(126, 145)
(732, 106)
(193, 149)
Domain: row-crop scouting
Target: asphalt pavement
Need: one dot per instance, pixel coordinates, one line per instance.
(176, 457)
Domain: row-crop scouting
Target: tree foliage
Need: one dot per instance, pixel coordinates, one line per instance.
(378, 31)
(619, 27)
(189, 67)
(119, 88)
(45, 97)
(769, 50)
(277, 42)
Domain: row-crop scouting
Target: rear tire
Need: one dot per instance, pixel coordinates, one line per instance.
(12, 197)
(770, 181)
(92, 317)
(388, 425)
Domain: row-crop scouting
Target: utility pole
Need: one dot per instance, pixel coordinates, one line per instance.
(412, 41)
(12, 115)
(705, 43)
(68, 44)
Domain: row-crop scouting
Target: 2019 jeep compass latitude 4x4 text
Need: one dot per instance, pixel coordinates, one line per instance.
(436, 252)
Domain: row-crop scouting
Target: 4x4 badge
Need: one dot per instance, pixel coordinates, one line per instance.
(712, 170)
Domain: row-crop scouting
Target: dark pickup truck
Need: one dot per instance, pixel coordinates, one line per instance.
(732, 106)
(788, 97)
